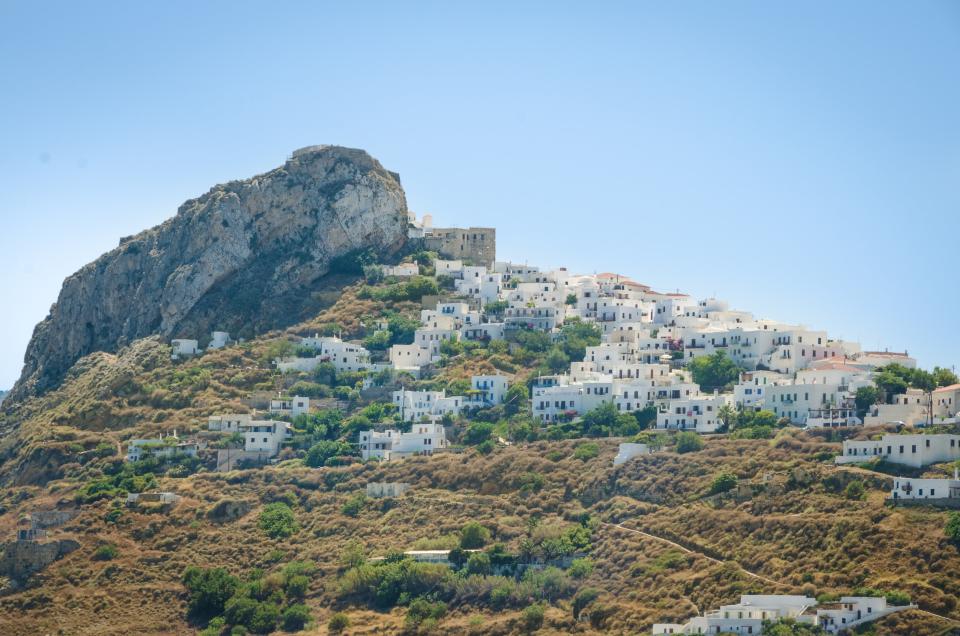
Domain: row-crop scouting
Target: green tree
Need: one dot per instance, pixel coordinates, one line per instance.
(473, 536)
(277, 520)
(239, 610)
(715, 371)
(557, 361)
(723, 483)
(688, 442)
(866, 397)
(323, 450)
(944, 377)
(295, 617)
(264, 619)
(209, 589)
(477, 432)
(605, 421)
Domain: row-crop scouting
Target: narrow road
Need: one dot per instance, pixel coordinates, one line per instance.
(689, 551)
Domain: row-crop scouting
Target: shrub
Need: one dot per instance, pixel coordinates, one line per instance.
(277, 521)
(421, 610)
(722, 483)
(583, 598)
(209, 590)
(239, 610)
(105, 552)
(214, 627)
(473, 536)
(580, 568)
(354, 505)
(338, 622)
(295, 618)
(478, 563)
(586, 451)
(264, 618)
(532, 617)
(297, 586)
(854, 490)
(952, 528)
(688, 442)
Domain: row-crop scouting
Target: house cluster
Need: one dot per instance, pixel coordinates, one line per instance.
(748, 616)
(185, 347)
(648, 337)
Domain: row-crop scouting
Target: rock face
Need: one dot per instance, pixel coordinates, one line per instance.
(241, 257)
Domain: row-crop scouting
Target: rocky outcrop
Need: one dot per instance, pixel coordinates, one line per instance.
(243, 257)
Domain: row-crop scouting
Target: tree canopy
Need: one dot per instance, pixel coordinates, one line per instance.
(716, 371)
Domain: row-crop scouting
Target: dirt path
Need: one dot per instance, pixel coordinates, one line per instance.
(689, 551)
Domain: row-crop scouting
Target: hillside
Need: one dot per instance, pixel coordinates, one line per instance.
(797, 530)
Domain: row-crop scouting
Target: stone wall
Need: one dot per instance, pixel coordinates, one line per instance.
(20, 559)
(474, 245)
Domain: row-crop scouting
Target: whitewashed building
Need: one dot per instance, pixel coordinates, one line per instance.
(390, 444)
(183, 347)
(745, 617)
(700, 414)
(265, 436)
(231, 423)
(293, 406)
(936, 490)
(417, 406)
(915, 450)
(487, 390)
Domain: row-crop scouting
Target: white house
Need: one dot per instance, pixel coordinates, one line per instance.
(851, 611)
(423, 439)
(915, 450)
(345, 356)
(264, 436)
(484, 331)
(138, 449)
(410, 357)
(700, 414)
(181, 348)
(745, 617)
(946, 402)
(293, 406)
(910, 408)
(487, 390)
(931, 490)
(403, 269)
(231, 423)
(218, 340)
(453, 268)
(417, 406)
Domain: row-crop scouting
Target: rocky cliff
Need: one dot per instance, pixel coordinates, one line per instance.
(240, 258)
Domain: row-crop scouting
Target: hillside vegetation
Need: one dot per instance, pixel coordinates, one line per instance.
(294, 546)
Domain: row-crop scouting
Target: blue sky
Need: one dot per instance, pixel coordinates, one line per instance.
(801, 160)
